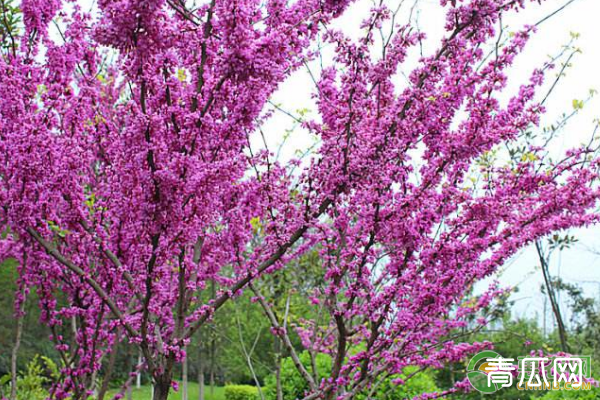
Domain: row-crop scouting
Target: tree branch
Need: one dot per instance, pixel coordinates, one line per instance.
(52, 251)
(282, 333)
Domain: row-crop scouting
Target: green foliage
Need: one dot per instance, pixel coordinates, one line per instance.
(561, 242)
(8, 276)
(4, 385)
(512, 339)
(57, 229)
(241, 392)
(32, 382)
(220, 343)
(293, 385)
(415, 383)
(35, 335)
(241, 323)
(578, 104)
(593, 394)
(30, 385)
(10, 19)
(585, 318)
(145, 393)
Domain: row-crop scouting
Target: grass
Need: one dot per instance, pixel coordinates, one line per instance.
(145, 393)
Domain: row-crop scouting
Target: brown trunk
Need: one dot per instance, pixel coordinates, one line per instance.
(212, 383)
(213, 351)
(562, 331)
(109, 370)
(201, 378)
(184, 378)
(161, 389)
(279, 389)
(15, 353)
(128, 383)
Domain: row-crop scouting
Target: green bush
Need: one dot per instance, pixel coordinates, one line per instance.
(293, 386)
(593, 394)
(241, 392)
(31, 383)
(416, 384)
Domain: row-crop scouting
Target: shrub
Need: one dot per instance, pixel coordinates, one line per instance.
(419, 383)
(31, 383)
(593, 394)
(293, 385)
(241, 392)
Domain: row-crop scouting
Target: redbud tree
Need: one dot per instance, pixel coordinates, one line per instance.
(129, 185)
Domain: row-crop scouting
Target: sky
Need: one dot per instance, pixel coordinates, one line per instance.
(578, 264)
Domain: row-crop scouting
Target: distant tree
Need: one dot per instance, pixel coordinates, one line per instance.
(510, 338)
(585, 318)
(34, 340)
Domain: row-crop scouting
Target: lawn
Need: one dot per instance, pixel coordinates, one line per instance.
(145, 393)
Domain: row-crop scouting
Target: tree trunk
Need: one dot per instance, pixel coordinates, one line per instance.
(212, 382)
(278, 388)
(201, 377)
(213, 350)
(138, 375)
(562, 331)
(184, 379)
(109, 370)
(161, 389)
(15, 352)
(94, 382)
(129, 368)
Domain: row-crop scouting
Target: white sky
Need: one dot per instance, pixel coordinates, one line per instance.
(577, 265)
